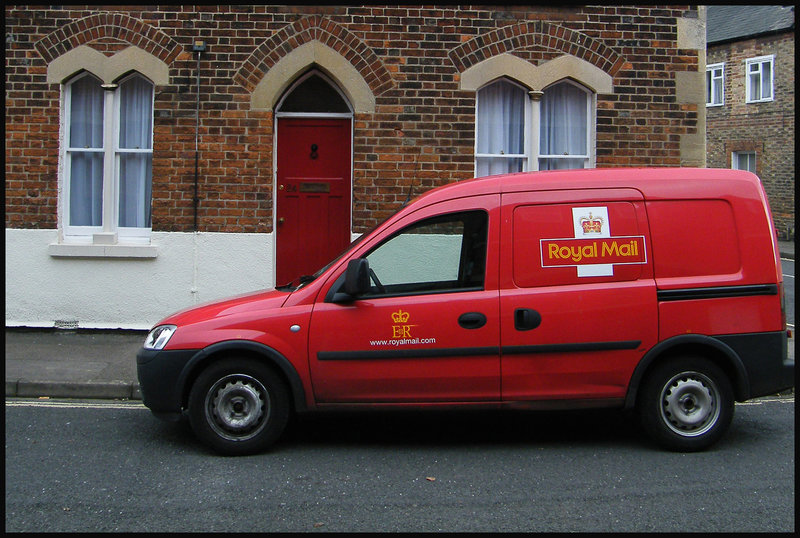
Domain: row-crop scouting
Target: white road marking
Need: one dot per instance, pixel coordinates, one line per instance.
(75, 405)
(139, 406)
(760, 401)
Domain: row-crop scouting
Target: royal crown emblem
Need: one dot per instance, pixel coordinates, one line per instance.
(400, 316)
(591, 225)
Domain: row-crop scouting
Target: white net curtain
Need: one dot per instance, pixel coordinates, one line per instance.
(88, 151)
(502, 126)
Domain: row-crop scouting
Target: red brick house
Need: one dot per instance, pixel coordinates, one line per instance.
(750, 113)
(161, 156)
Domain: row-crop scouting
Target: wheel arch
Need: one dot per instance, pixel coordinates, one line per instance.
(243, 348)
(697, 344)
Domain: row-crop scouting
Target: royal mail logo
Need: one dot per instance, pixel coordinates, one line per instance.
(401, 333)
(400, 316)
(592, 249)
(577, 252)
(591, 224)
(400, 326)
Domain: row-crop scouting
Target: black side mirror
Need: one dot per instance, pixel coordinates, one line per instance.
(356, 278)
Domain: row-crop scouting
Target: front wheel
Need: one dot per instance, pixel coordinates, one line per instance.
(686, 404)
(238, 406)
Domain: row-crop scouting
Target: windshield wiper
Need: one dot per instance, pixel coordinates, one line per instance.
(289, 286)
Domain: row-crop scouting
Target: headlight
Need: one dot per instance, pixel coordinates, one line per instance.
(159, 337)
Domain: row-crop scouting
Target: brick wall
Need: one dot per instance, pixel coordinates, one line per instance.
(766, 128)
(411, 57)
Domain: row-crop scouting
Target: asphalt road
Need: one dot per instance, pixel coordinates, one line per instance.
(97, 466)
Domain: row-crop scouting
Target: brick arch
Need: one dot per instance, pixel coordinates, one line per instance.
(536, 33)
(310, 29)
(108, 25)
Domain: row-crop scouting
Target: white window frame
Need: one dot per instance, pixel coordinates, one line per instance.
(735, 155)
(109, 232)
(532, 129)
(759, 63)
(714, 80)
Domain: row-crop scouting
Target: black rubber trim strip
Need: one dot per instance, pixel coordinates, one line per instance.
(474, 351)
(717, 292)
(407, 353)
(572, 348)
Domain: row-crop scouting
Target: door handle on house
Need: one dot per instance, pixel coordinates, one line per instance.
(526, 319)
(472, 320)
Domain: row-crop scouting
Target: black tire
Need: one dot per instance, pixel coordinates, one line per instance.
(686, 404)
(238, 406)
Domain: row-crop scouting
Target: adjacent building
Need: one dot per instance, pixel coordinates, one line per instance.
(157, 157)
(750, 113)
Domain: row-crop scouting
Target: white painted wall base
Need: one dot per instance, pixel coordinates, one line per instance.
(51, 287)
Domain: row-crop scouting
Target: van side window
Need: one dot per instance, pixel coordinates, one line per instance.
(440, 254)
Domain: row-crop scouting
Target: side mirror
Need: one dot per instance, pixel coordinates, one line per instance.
(356, 278)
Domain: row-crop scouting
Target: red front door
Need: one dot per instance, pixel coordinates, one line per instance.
(313, 194)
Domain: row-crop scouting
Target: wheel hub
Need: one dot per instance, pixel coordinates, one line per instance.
(689, 404)
(238, 406)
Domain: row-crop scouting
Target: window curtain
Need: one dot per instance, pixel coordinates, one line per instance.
(86, 153)
(755, 82)
(135, 167)
(744, 160)
(714, 86)
(766, 80)
(760, 80)
(501, 124)
(564, 125)
(717, 86)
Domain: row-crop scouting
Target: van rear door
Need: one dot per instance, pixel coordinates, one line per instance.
(577, 296)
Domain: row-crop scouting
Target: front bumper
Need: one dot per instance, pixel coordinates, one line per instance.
(161, 377)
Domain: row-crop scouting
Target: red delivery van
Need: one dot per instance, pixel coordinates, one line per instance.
(657, 290)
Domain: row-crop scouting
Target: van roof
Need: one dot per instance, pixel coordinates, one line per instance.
(653, 183)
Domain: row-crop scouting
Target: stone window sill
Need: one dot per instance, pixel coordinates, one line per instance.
(66, 250)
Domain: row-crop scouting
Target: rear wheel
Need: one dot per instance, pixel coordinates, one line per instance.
(686, 404)
(238, 406)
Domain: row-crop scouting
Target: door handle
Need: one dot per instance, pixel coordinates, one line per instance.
(526, 319)
(472, 320)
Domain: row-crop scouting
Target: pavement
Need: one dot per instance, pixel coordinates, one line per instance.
(83, 363)
(60, 363)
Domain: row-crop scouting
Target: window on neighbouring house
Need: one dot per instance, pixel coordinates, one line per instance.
(108, 157)
(715, 92)
(516, 134)
(744, 160)
(759, 79)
